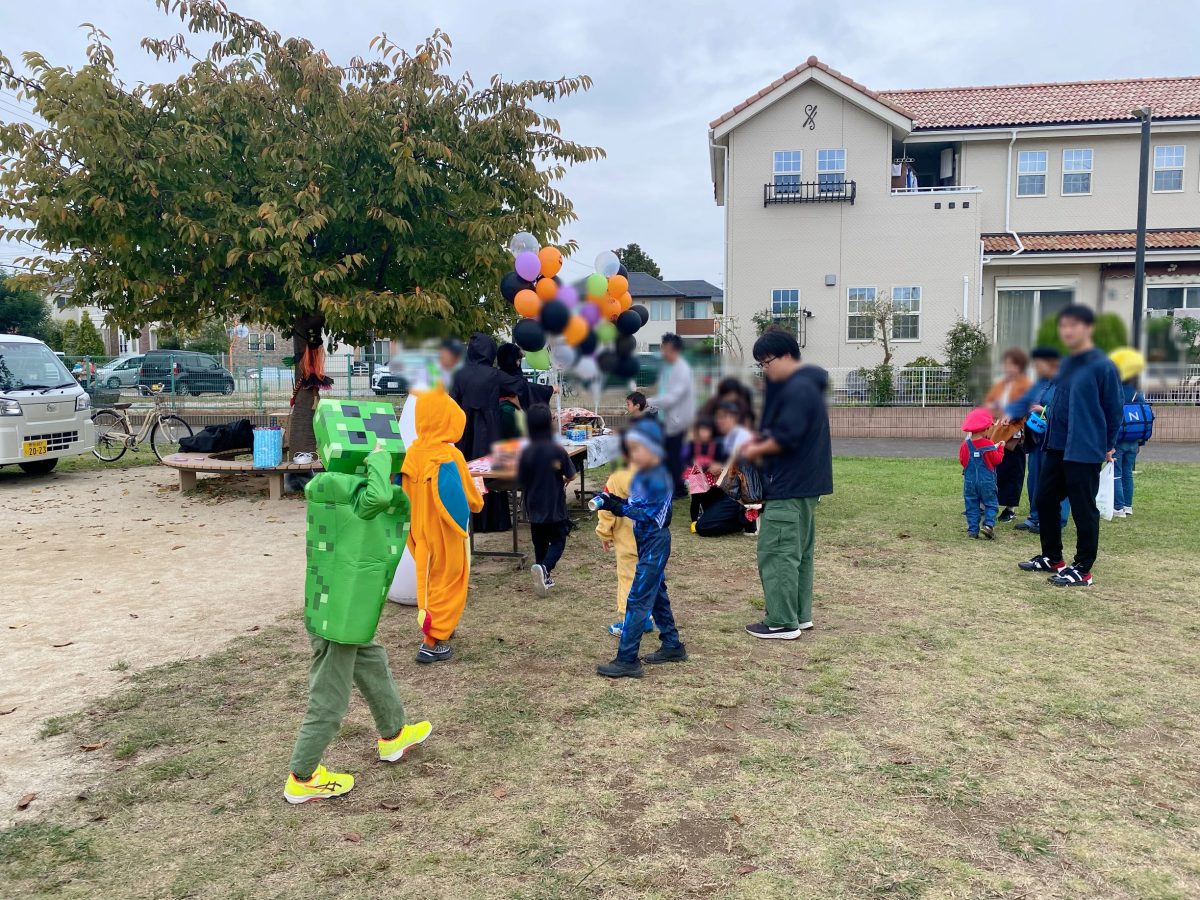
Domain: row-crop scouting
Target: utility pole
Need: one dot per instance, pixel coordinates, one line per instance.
(1139, 264)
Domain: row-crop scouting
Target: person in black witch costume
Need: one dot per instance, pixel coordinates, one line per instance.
(476, 388)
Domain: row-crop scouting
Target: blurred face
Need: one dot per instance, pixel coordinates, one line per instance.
(1011, 369)
(725, 421)
(704, 434)
(670, 353)
(632, 408)
(641, 457)
(1045, 368)
(446, 359)
(776, 368)
(1074, 334)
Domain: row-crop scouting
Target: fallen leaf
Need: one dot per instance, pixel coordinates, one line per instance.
(737, 819)
(87, 748)
(178, 547)
(24, 802)
(391, 807)
(67, 644)
(746, 870)
(133, 615)
(7, 712)
(352, 836)
(253, 628)
(500, 793)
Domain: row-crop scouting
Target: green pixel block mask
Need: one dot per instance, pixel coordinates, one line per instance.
(347, 430)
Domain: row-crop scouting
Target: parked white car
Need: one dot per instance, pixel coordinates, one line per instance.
(119, 373)
(44, 412)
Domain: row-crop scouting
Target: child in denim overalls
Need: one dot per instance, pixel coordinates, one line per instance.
(979, 458)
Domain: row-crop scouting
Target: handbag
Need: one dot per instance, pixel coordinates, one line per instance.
(697, 480)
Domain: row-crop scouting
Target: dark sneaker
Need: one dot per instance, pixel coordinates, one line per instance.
(1026, 526)
(1007, 515)
(663, 655)
(1070, 576)
(619, 669)
(437, 653)
(762, 630)
(988, 532)
(539, 579)
(973, 534)
(549, 581)
(1040, 564)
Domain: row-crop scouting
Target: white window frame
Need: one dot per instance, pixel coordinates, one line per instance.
(657, 307)
(1172, 168)
(269, 342)
(856, 315)
(828, 169)
(907, 312)
(1075, 170)
(782, 167)
(780, 298)
(1188, 287)
(254, 342)
(1044, 173)
(690, 306)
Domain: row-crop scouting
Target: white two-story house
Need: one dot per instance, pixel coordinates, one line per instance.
(1000, 205)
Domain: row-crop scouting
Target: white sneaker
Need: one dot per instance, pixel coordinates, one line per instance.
(1119, 513)
(539, 579)
(804, 626)
(1129, 510)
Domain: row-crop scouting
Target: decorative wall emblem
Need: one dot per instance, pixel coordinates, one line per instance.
(810, 120)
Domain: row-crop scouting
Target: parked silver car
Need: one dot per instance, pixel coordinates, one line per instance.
(119, 373)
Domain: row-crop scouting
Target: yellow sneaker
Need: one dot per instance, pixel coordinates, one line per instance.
(322, 784)
(409, 736)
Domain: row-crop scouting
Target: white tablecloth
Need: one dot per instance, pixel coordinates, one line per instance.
(601, 449)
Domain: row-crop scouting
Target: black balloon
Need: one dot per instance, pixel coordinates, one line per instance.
(587, 346)
(554, 316)
(627, 367)
(626, 344)
(511, 283)
(629, 322)
(643, 313)
(607, 360)
(622, 271)
(529, 335)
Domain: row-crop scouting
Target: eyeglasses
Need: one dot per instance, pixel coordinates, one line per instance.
(763, 363)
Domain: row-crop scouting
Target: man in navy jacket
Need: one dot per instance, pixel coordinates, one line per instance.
(1084, 418)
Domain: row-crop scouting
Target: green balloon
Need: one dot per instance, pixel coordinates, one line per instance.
(606, 332)
(539, 361)
(597, 285)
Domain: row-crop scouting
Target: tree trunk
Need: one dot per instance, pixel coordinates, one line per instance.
(306, 332)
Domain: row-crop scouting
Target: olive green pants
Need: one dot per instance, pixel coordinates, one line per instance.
(785, 560)
(335, 667)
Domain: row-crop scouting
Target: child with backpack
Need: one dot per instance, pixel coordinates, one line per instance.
(1137, 426)
(543, 473)
(979, 456)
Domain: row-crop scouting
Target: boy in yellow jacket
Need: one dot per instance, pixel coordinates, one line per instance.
(616, 533)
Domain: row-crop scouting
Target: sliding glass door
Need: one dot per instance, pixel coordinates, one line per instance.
(1020, 312)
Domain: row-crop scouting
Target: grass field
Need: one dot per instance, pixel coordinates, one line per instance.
(953, 728)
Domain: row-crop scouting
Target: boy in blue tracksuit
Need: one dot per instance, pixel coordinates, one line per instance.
(1127, 452)
(1037, 399)
(649, 506)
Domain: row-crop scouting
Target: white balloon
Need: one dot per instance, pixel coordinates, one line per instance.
(404, 584)
(608, 264)
(562, 355)
(586, 368)
(522, 241)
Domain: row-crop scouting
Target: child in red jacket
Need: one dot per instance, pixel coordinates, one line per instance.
(979, 457)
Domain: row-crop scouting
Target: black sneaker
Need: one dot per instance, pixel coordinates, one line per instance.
(1026, 526)
(1041, 564)
(619, 669)
(549, 581)
(1069, 576)
(437, 653)
(765, 631)
(1007, 514)
(663, 655)
(988, 532)
(973, 534)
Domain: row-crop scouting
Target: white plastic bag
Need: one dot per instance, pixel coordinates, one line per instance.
(1105, 497)
(404, 584)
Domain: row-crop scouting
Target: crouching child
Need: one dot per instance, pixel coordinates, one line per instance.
(649, 508)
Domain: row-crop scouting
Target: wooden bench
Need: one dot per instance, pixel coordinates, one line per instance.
(225, 462)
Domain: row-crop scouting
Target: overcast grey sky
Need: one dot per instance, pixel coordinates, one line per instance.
(663, 70)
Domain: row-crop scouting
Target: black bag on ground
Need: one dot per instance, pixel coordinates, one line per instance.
(723, 515)
(237, 435)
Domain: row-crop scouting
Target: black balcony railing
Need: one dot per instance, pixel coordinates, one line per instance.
(810, 192)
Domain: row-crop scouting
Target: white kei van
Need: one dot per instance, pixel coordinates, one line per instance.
(44, 412)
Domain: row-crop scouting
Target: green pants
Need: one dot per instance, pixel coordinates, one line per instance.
(335, 667)
(785, 560)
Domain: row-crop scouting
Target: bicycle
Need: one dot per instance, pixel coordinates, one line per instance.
(114, 435)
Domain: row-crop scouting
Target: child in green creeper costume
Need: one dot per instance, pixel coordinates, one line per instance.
(357, 527)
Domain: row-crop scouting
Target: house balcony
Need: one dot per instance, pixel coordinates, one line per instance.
(695, 327)
(810, 192)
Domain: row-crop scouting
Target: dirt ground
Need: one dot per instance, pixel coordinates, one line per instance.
(109, 572)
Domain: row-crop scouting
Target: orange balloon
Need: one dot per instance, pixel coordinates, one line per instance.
(610, 307)
(551, 258)
(528, 304)
(546, 288)
(626, 301)
(576, 330)
(617, 285)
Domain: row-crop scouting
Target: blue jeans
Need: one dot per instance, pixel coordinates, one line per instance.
(648, 597)
(1126, 456)
(979, 494)
(1034, 471)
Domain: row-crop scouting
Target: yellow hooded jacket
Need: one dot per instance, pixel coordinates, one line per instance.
(619, 531)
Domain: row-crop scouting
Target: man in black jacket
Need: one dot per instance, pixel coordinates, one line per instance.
(797, 462)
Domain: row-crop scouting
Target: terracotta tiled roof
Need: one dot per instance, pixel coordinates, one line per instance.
(811, 63)
(1084, 241)
(1044, 104)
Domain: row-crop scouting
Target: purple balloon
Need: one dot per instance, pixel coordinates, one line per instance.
(591, 312)
(569, 295)
(528, 265)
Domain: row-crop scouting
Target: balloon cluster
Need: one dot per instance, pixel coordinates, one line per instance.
(593, 332)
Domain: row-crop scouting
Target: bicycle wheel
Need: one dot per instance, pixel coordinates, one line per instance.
(111, 431)
(166, 435)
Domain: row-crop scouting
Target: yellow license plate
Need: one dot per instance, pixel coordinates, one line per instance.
(35, 448)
